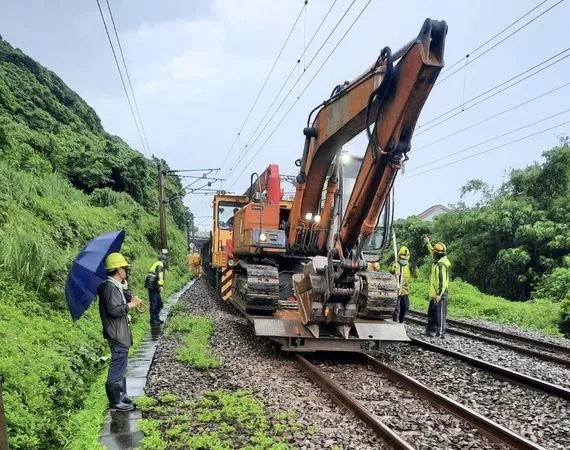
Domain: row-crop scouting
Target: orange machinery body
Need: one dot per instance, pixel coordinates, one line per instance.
(222, 230)
(309, 250)
(257, 225)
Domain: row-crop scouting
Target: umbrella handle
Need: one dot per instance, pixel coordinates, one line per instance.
(141, 307)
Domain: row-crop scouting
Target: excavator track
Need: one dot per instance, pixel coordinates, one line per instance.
(379, 297)
(257, 285)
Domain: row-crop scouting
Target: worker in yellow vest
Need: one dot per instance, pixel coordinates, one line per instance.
(438, 289)
(196, 260)
(403, 271)
(154, 282)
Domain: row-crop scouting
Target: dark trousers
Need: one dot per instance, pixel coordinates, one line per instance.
(437, 316)
(402, 307)
(155, 304)
(119, 360)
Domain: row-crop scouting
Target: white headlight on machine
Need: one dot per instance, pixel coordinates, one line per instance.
(263, 237)
(309, 216)
(317, 218)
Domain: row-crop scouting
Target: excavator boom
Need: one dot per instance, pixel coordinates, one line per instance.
(296, 269)
(388, 97)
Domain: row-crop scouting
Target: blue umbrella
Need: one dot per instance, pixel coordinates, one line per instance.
(88, 271)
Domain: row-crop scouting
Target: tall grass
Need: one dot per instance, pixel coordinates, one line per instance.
(53, 393)
(466, 301)
(28, 257)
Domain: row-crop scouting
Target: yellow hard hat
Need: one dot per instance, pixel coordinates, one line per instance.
(404, 253)
(440, 247)
(114, 261)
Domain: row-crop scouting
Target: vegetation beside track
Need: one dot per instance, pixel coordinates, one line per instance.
(512, 242)
(220, 419)
(64, 180)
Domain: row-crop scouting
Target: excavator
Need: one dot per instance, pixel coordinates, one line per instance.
(298, 269)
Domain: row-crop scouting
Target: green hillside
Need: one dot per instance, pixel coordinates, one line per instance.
(63, 180)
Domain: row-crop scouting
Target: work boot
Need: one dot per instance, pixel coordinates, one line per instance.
(114, 395)
(124, 396)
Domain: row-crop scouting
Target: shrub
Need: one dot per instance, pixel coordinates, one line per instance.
(49, 363)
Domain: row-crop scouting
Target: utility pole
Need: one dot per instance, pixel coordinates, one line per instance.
(162, 210)
(3, 430)
(188, 234)
(188, 189)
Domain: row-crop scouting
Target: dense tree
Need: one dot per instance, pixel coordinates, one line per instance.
(47, 127)
(514, 242)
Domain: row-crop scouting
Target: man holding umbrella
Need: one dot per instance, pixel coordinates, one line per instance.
(114, 310)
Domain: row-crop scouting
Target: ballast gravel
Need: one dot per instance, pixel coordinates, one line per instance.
(417, 421)
(534, 367)
(255, 364)
(539, 417)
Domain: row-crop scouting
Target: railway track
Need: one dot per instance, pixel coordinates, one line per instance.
(545, 351)
(488, 428)
(503, 372)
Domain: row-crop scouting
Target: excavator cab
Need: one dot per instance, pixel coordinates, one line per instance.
(379, 240)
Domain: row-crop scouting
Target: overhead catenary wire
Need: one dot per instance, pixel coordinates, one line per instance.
(469, 59)
(193, 170)
(463, 108)
(122, 78)
(296, 83)
(275, 98)
(302, 92)
(494, 116)
(203, 221)
(528, 136)
(266, 79)
(535, 122)
(480, 46)
(249, 146)
(128, 77)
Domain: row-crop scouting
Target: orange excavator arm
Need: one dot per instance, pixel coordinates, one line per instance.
(388, 97)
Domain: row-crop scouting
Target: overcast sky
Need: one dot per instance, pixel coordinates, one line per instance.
(197, 67)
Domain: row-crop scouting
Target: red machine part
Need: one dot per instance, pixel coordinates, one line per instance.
(269, 181)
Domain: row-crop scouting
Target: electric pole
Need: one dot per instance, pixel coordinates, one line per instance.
(188, 189)
(188, 234)
(162, 210)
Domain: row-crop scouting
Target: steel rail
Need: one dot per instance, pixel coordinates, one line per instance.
(517, 348)
(535, 342)
(489, 428)
(534, 383)
(344, 399)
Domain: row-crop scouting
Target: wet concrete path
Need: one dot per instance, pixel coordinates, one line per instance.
(119, 429)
